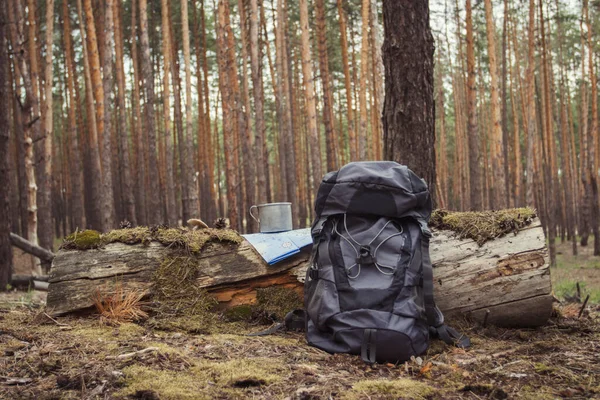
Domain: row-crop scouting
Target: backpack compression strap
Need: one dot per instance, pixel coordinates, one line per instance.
(435, 318)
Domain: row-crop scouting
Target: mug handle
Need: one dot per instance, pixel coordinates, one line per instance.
(252, 215)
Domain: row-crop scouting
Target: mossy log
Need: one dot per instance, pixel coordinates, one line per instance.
(507, 278)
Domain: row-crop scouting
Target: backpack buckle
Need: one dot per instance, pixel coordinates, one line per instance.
(365, 256)
(313, 272)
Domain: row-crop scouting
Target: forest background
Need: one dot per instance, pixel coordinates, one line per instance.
(151, 112)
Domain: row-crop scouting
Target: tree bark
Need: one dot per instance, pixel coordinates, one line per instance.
(190, 204)
(499, 179)
(408, 112)
(124, 161)
(77, 207)
(140, 181)
(328, 119)
(155, 214)
(5, 218)
(225, 59)
(347, 81)
(29, 122)
(261, 164)
(309, 90)
(362, 94)
(530, 106)
(473, 131)
(166, 52)
(508, 276)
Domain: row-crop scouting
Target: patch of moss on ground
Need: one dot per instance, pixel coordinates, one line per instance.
(83, 240)
(206, 380)
(403, 388)
(166, 384)
(273, 303)
(482, 226)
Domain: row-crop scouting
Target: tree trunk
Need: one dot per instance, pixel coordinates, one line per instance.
(309, 90)
(593, 159)
(347, 81)
(190, 204)
(362, 95)
(140, 181)
(166, 52)
(77, 207)
(473, 131)
(508, 276)
(29, 122)
(124, 162)
(408, 112)
(328, 120)
(259, 167)
(497, 142)
(530, 106)
(5, 217)
(155, 214)
(225, 59)
(44, 159)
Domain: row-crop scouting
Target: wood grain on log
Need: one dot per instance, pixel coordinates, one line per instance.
(508, 276)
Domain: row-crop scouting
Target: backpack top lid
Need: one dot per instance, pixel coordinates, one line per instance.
(383, 188)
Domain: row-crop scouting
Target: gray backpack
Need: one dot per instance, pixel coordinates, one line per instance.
(369, 287)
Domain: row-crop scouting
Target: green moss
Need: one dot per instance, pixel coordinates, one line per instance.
(398, 388)
(167, 384)
(140, 234)
(84, 240)
(275, 302)
(482, 226)
(193, 241)
(205, 380)
(239, 313)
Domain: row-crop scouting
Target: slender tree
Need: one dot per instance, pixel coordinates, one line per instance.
(155, 214)
(309, 90)
(497, 142)
(5, 218)
(190, 204)
(362, 95)
(472, 128)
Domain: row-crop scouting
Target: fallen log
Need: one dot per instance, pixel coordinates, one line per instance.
(28, 247)
(30, 282)
(505, 280)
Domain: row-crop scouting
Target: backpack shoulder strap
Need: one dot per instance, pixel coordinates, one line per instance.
(435, 318)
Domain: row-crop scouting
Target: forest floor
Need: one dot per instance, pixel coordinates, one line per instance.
(81, 358)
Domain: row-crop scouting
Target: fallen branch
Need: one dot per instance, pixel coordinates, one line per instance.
(28, 247)
(126, 356)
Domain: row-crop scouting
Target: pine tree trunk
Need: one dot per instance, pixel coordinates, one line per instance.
(5, 218)
(585, 202)
(29, 122)
(155, 214)
(377, 82)
(473, 130)
(140, 159)
(226, 62)
(256, 169)
(497, 141)
(190, 204)
(309, 90)
(593, 159)
(408, 112)
(347, 81)
(124, 162)
(530, 106)
(328, 120)
(77, 207)
(362, 95)
(285, 97)
(166, 52)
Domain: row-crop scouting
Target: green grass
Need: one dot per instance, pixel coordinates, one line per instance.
(583, 268)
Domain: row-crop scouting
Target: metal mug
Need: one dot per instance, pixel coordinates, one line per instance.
(273, 217)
